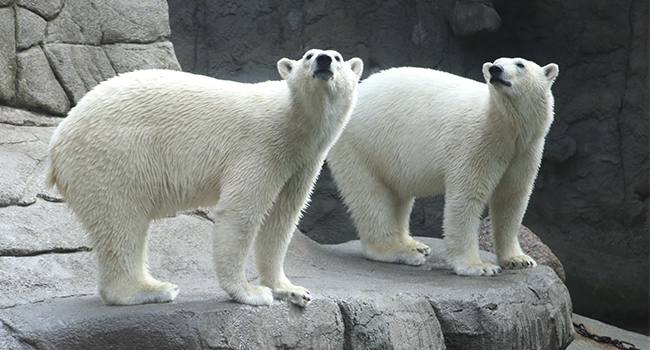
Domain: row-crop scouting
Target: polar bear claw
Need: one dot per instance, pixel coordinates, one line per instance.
(518, 262)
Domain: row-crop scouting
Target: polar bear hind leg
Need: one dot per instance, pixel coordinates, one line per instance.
(381, 218)
(120, 244)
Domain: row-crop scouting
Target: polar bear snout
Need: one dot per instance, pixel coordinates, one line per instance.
(495, 70)
(323, 64)
(497, 76)
(324, 60)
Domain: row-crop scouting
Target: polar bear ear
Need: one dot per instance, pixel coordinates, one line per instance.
(356, 64)
(285, 66)
(551, 70)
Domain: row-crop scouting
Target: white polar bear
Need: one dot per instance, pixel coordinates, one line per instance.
(147, 144)
(419, 132)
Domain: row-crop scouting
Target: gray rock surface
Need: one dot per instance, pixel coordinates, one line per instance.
(45, 9)
(38, 88)
(359, 304)
(30, 28)
(405, 322)
(473, 17)
(53, 52)
(591, 197)
(7, 54)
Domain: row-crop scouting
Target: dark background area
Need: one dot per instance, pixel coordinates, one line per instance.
(590, 203)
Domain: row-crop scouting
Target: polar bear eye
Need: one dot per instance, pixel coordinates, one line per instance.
(308, 57)
(520, 65)
(338, 58)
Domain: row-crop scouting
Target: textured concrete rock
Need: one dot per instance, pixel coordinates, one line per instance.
(84, 43)
(47, 9)
(21, 117)
(30, 28)
(40, 228)
(134, 21)
(379, 305)
(37, 86)
(390, 322)
(7, 54)
(23, 152)
(110, 22)
(591, 197)
(78, 23)
(472, 17)
(125, 57)
(473, 312)
(86, 323)
(79, 67)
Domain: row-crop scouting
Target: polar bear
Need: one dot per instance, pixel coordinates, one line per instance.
(419, 132)
(147, 144)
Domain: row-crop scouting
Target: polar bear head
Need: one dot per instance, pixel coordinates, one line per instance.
(517, 76)
(321, 67)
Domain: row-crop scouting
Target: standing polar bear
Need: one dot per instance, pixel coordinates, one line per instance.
(419, 132)
(147, 144)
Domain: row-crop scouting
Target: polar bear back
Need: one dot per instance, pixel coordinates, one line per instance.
(188, 140)
(396, 110)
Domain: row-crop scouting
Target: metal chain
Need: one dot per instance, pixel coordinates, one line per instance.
(619, 344)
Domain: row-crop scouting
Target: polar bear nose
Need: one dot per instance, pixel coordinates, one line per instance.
(495, 70)
(323, 60)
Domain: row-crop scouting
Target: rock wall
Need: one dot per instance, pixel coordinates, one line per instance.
(590, 204)
(52, 52)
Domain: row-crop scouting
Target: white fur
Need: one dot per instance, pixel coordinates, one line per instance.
(147, 144)
(419, 132)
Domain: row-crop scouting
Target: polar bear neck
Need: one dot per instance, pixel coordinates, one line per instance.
(320, 111)
(527, 114)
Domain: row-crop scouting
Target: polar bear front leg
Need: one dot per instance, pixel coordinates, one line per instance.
(236, 225)
(507, 207)
(272, 242)
(460, 225)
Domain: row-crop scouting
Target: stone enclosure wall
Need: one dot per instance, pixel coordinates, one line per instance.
(52, 52)
(590, 203)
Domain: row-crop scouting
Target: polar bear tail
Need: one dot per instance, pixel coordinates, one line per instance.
(51, 174)
(50, 177)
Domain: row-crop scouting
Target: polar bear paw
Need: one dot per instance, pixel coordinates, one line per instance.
(251, 295)
(163, 293)
(481, 269)
(296, 295)
(421, 248)
(412, 253)
(151, 292)
(518, 262)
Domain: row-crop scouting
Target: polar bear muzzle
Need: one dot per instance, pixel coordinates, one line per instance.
(323, 64)
(497, 77)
